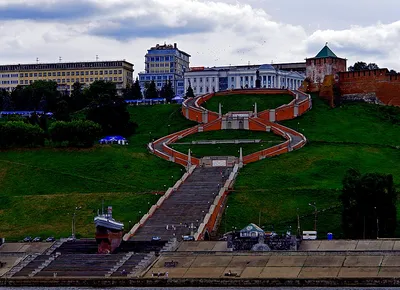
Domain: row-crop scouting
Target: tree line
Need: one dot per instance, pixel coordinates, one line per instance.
(102, 111)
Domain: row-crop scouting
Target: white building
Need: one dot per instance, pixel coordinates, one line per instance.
(209, 79)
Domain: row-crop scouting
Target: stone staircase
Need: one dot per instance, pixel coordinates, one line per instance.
(119, 264)
(143, 264)
(44, 265)
(54, 247)
(183, 211)
(22, 264)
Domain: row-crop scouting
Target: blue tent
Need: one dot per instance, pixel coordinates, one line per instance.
(114, 140)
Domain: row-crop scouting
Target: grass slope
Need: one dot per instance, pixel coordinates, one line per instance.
(349, 136)
(201, 150)
(246, 102)
(38, 186)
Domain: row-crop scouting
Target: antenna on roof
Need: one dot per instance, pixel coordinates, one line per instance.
(59, 58)
(326, 43)
(97, 57)
(37, 60)
(248, 63)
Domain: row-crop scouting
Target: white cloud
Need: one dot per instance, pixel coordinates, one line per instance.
(213, 32)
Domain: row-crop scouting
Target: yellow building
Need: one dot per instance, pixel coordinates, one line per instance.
(67, 73)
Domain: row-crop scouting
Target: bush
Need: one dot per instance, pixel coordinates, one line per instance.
(20, 134)
(77, 133)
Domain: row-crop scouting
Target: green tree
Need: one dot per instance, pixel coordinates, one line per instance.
(189, 92)
(20, 134)
(78, 99)
(151, 91)
(61, 112)
(78, 133)
(369, 205)
(4, 95)
(108, 109)
(360, 65)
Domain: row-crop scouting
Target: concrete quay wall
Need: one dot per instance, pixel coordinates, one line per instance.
(199, 282)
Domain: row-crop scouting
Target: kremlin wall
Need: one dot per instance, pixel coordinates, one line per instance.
(327, 75)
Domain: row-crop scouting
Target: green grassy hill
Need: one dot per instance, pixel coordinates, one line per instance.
(246, 102)
(39, 188)
(354, 135)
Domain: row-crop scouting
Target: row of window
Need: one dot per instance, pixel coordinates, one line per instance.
(148, 78)
(9, 82)
(160, 58)
(55, 66)
(73, 80)
(9, 75)
(246, 79)
(171, 64)
(82, 73)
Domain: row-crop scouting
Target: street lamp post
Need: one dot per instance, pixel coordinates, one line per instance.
(226, 215)
(73, 221)
(315, 215)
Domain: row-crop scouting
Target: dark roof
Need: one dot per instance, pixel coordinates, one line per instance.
(325, 52)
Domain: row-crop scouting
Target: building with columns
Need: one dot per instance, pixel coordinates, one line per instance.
(204, 80)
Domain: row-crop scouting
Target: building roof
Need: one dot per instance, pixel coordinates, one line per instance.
(252, 228)
(325, 52)
(266, 67)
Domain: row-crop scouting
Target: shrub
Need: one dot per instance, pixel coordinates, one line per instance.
(77, 133)
(20, 134)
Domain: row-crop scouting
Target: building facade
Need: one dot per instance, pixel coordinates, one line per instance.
(323, 64)
(206, 80)
(67, 73)
(165, 63)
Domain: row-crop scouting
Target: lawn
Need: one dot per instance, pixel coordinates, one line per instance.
(33, 181)
(246, 102)
(201, 150)
(351, 136)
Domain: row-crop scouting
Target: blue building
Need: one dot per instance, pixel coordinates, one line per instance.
(165, 63)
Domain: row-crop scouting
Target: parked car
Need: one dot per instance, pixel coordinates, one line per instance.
(50, 239)
(37, 239)
(188, 238)
(71, 238)
(27, 240)
(155, 238)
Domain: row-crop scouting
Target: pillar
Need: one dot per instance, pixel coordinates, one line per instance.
(241, 157)
(255, 109)
(189, 163)
(220, 110)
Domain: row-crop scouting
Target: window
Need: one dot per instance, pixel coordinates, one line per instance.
(159, 77)
(152, 58)
(157, 58)
(110, 72)
(115, 79)
(63, 73)
(96, 79)
(213, 79)
(120, 71)
(82, 73)
(201, 89)
(194, 80)
(68, 73)
(30, 82)
(72, 80)
(91, 79)
(77, 73)
(206, 79)
(207, 89)
(115, 71)
(101, 72)
(232, 79)
(58, 81)
(26, 82)
(167, 58)
(87, 80)
(63, 81)
(54, 74)
(82, 80)
(68, 80)
(106, 72)
(87, 73)
(241, 79)
(45, 74)
(201, 80)
(40, 74)
(31, 74)
(72, 73)
(101, 78)
(120, 79)
(96, 73)
(21, 82)
(91, 72)
(58, 74)
(35, 74)
(158, 84)
(161, 58)
(26, 75)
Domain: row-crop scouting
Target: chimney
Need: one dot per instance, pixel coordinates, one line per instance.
(175, 46)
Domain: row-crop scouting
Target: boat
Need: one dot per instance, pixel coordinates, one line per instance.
(109, 232)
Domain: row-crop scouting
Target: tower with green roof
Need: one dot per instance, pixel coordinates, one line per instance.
(324, 63)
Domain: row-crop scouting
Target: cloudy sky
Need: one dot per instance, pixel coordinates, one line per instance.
(219, 32)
